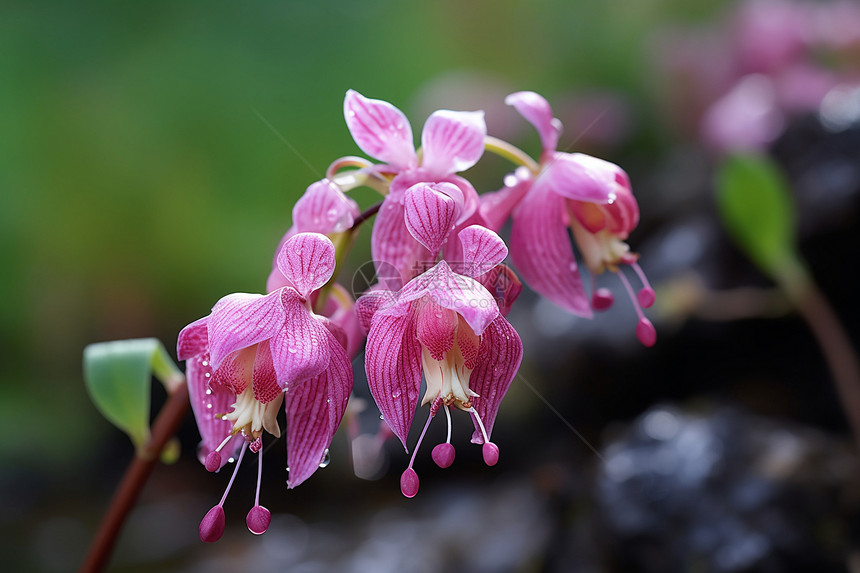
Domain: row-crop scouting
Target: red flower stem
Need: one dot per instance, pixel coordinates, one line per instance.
(135, 478)
(836, 346)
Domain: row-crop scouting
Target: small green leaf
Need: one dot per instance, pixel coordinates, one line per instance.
(118, 375)
(757, 209)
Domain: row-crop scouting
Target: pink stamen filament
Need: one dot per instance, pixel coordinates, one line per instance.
(259, 476)
(630, 293)
(480, 424)
(233, 477)
(420, 439)
(224, 443)
(641, 274)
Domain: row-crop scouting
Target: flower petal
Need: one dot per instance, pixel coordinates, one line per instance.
(379, 129)
(264, 377)
(299, 350)
(436, 328)
(482, 250)
(241, 320)
(393, 364)
(430, 213)
(497, 206)
(583, 177)
(393, 247)
(498, 361)
(542, 253)
(307, 260)
(453, 291)
(452, 141)
(314, 411)
(235, 371)
(207, 401)
(537, 111)
(370, 302)
(324, 208)
(504, 285)
(193, 339)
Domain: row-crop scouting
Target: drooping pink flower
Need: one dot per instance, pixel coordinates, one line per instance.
(254, 352)
(451, 141)
(590, 196)
(446, 325)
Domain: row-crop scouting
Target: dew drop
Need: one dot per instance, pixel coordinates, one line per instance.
(208, 375)
(326, 460)
(381, 417)
(209, 406)
(396, 394)
(205, 363)
(208, 391)
(292, 350)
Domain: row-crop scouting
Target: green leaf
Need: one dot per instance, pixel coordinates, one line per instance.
(757, 210)
(118, 375)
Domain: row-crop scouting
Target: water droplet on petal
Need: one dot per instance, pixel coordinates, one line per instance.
(326, 460)
(292, 350)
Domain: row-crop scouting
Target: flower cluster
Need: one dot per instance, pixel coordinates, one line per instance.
(437, 310)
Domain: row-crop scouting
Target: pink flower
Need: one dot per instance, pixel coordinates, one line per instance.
(448, 326)
(590, 196)
(254, 352)
(451, 141)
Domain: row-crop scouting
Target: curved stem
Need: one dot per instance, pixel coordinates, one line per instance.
(138, 472)
(511, 153)
(835, 345)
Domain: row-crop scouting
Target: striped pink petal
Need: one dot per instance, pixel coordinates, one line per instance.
(396, 253)
(324, 208)
(537, 111)
(207, 401)
(380, 130)
(299, 350)
(393, 364)
(498, 361)
(583, 177)
(453, 291)
(542, 253)
(241, 320)
(430, 213)
(452, 141)
(482, 250)
(193, 340)
(307, 260)
(314, 411)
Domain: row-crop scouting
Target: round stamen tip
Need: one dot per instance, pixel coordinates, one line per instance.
(213, 461)
(443, 455)
(646, 333)
(646, 297)
(491, 453)
(212, 525)
(258, 519)
(409, 483)
(602, 299)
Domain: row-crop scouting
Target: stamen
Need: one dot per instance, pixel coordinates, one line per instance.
(645, 331)
(259, 518)
(489, 450)
(409, 479)
(646, 294)
(443, 454)
(212, 526)
(601, 298)
(213, 458)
